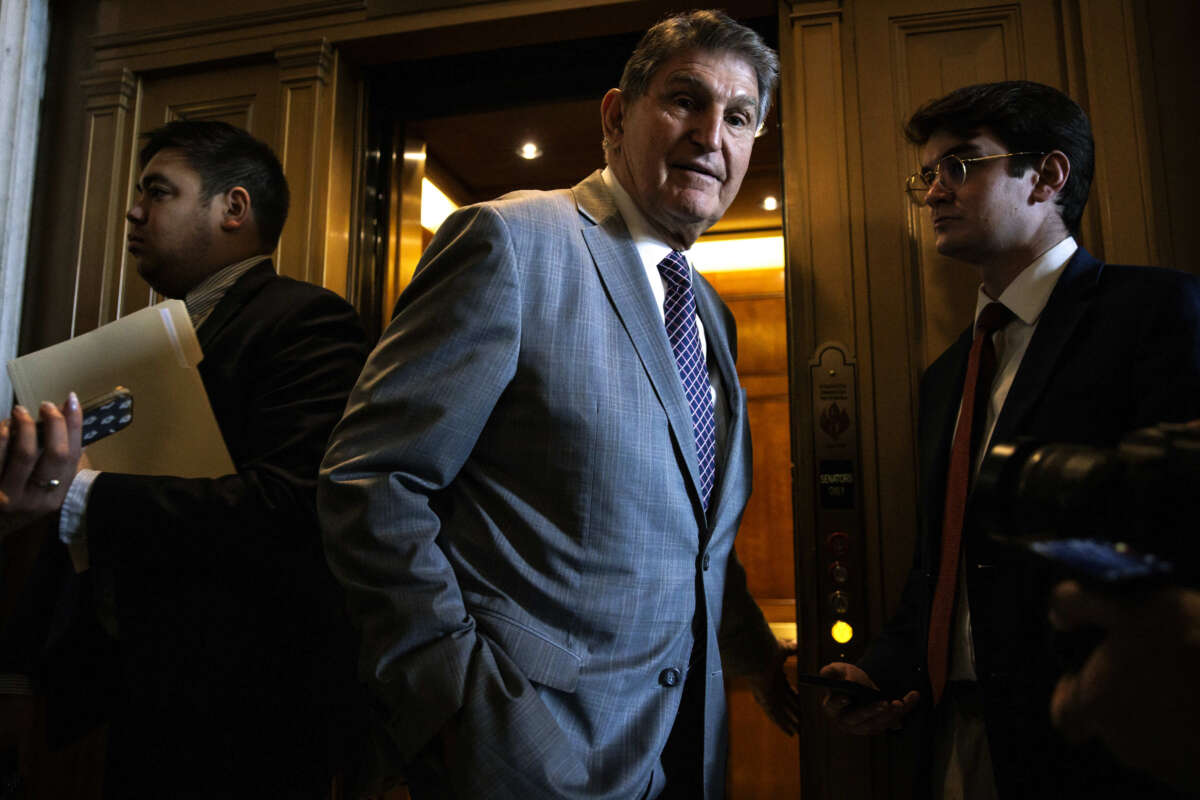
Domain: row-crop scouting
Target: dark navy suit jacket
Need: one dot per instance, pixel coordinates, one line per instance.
(232, 664)
(1117, 348)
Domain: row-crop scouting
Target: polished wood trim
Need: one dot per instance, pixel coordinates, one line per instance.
(1123, 190)
(111, 103)
(985, 44)
(800, 9)
(306, 127)
(345, 154)
(305, 62)
(109, 88)
(822, 266)
(236, 22)
(339, 23)
(410, 242)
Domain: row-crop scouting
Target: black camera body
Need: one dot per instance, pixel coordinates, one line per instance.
(1119, 515)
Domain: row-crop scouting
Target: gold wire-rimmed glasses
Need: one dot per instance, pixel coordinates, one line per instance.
(951, 171)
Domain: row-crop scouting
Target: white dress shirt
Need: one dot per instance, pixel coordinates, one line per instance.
(652, 250)
(1026, 297)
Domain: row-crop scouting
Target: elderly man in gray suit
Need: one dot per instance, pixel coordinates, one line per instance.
(533, 496)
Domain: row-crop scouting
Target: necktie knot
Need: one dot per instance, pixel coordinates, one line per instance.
(993, 317)
(674, 269)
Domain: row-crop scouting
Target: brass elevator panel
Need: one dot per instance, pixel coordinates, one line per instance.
(841, 571)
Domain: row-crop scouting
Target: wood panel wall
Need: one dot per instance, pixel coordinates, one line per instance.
(860, 267)
(301, 102)
(762, 760)
(853, 72)
(274, 67)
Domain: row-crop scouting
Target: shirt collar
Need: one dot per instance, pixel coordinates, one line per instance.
(650, 247)
(204, 296)
(1029, 292)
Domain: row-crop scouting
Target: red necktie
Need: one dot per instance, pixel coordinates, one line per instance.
(981, 369)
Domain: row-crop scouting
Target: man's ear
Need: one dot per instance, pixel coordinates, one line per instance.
(612, 117)
(235, 211)
(1052, 176)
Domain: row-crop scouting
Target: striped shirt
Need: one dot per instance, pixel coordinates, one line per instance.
(204, 296)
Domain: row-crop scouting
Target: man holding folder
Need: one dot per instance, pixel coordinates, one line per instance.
(222, 620)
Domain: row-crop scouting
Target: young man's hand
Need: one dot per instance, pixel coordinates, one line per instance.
(868, 718)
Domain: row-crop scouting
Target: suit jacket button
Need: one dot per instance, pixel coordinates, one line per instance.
(669, 677)
(704, 562)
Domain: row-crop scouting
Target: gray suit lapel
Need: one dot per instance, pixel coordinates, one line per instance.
(621, 272)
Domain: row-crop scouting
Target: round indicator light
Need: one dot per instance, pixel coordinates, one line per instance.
(841, 632)
(840, 601)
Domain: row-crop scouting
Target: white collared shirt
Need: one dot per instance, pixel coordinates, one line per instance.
(1026, 297)
(651, 249)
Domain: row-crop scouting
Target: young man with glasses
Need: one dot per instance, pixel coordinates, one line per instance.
(1064, 348)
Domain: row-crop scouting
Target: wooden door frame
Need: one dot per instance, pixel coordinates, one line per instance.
(834, 234)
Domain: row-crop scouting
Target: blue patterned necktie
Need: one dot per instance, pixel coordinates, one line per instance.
(679, 312)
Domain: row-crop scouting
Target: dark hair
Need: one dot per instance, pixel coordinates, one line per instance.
(225, 157)
(712, 31)
(1024, 116)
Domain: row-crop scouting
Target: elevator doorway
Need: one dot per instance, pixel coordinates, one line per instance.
(460, 123)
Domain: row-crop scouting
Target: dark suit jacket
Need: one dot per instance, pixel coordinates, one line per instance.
(1117, 348)
(228, 667)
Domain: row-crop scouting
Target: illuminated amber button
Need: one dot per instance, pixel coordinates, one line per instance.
(841, 632)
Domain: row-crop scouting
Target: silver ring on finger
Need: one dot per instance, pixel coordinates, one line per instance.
(49, 485)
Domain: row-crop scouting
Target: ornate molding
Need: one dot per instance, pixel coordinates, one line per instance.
(234, 22)
(807, 9)
(925, 22)
(223, 108)
(109, 88)
(305, 63)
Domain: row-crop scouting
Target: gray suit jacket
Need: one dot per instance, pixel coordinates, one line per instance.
(511, 502)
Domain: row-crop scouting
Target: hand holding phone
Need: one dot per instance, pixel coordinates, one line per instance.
(855, 705)
(103, 415)
(34, 478)
(857, 692)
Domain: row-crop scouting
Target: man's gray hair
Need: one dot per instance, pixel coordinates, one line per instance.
(712, 31)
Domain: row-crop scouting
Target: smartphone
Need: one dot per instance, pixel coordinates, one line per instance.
(1098, 563)
(106, 414)
(1104, 563)
(103, 415)
(857, 693)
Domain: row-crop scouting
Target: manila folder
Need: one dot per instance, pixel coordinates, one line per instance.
(153, 353)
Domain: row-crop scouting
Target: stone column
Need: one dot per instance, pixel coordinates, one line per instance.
(25, 37)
